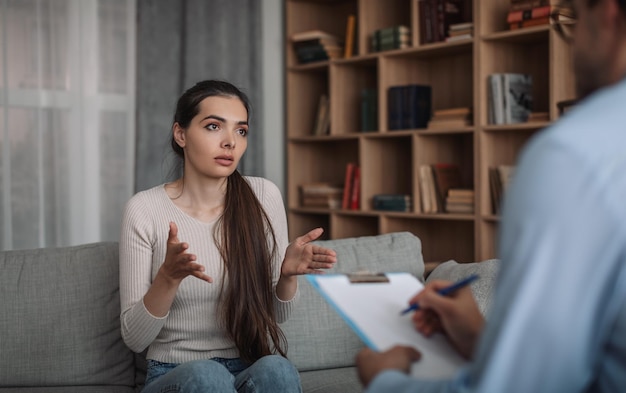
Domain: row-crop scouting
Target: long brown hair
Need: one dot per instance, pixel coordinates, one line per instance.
(247, 243)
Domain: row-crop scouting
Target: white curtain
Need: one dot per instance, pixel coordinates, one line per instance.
(67, 120)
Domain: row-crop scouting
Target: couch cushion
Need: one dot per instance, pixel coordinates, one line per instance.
(335, 380)
(482, 288)
(60, 318)
(318, 338)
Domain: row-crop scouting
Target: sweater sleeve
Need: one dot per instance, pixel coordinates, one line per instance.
(139, 327)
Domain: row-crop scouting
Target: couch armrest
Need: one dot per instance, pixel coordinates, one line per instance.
(483, 288)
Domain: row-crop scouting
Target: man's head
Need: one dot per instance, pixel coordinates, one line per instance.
(599, 43)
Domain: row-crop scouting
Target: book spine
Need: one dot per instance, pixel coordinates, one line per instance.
(533, 13)
(394, 107)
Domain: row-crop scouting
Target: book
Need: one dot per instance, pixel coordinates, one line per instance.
(392, 202)
(350, 33)
(355, 196)
(369, 109)
(509, 98)
(461, 192)
(320, 195)
(394, 37)
(531, 13)
(517, 5)
(347, 186)
(322, 119)
(425, 198)
(408, 106)
(544, 20)
(446, 176)
(373, 311)
(313, 34)
(517, 91)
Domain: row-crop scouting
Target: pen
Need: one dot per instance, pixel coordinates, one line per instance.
(445, 291)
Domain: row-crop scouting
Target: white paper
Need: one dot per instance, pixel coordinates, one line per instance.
(373, 311)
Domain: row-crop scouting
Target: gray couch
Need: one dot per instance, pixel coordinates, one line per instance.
(60, 329)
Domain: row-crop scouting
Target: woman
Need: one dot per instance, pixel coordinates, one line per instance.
(206, 274)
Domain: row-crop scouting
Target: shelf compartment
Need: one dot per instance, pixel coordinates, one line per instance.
(318, 161)
(488, 234)
(525, 57)
(499, 148)
(448, 73)
(385, 168)
(348, 80)
(442, 240)
(301, 223)
(302, 108)
(374, 16)
(353, 225)
(328, 16)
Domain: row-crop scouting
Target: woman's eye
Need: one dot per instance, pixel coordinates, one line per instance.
(242, 131)
(212, 126)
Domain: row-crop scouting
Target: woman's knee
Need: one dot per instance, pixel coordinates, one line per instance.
(274, 372)
(202, 376)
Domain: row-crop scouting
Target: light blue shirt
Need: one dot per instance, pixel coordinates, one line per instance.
(558, 322)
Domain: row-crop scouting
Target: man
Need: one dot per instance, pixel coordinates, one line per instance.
(558, 322)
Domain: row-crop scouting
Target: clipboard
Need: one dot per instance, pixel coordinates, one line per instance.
(373, 311)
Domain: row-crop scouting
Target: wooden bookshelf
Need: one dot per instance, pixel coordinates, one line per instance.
(390, 159)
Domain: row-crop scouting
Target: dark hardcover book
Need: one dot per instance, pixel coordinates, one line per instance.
(395, 98)
(369, 110)
(447, 176)
(392, 202)
(417, 109)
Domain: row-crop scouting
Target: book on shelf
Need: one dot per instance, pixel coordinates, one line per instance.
(324, 195)
(460, 31)
(460, 200)
(395, 37)
(446, 176)
(509, 98)
(355, 196)
(322, 120)
(316, 45)
(350, 42)
(392, 202)
(451, 118)
(538, 116)
(427, 187)
(544, 20)
(529, 13)
(369, 109)
(351, 195)
(500, 177)
(436, 17)
(408, 106)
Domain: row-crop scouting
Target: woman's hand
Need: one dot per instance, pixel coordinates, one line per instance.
(455, 315)
(178, 262)
(302, 257)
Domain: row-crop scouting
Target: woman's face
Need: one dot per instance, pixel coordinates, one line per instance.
(216, 138)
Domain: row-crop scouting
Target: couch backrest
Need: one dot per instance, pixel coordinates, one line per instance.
(317, 336)
(60, 323)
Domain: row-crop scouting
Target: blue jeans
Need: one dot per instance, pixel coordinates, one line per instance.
(271, 373)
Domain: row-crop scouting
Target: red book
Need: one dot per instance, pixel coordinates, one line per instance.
(347, 186)
(530, 22)
(533, 13)
(356, 188)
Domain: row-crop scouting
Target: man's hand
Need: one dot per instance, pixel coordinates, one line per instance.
(456, 315)
(370, 363)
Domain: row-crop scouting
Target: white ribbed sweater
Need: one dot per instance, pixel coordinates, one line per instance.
(190, 330)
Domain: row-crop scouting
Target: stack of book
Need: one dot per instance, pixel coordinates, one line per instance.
(392, 202)
(509, 98)
(526, 13)
(460, 31)
(320, 195)
(316, 45)
(499, 179)
(460, 200)
(395, 37)
(436, 17)
(451, 118)
(408, 106)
